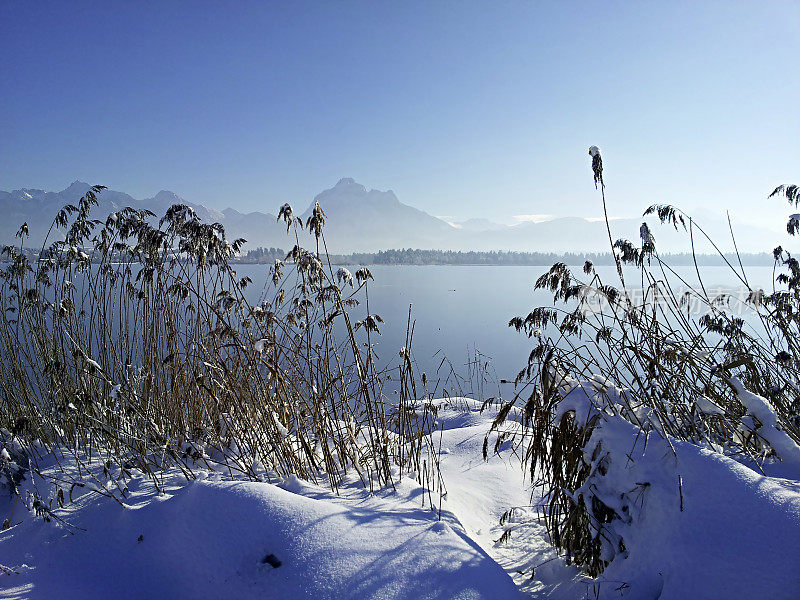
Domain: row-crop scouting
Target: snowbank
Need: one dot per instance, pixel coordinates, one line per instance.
(707, 526)
(687, 522)
(699, 525)
(212, 539)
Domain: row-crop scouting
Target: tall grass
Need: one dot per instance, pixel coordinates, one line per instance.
(674, 356)
(131, 342)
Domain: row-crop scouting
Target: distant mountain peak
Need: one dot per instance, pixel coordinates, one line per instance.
(75, 190)
(346, 186)
(349, 193)
(168, 196)
(77, 185)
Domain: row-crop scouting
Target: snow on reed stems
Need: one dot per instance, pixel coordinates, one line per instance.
(131, 343)
(724, 381)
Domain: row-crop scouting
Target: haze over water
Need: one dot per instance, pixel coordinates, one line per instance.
(457, 310)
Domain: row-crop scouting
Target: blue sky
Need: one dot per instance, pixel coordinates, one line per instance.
(464, 109)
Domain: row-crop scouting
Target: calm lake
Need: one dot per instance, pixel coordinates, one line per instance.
(457, 310)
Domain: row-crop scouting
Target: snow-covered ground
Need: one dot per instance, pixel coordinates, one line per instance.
(738, 536)
(212, 538)
(480, 492)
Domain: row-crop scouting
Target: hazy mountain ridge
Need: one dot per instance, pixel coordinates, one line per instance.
(362, 220)
(38, 208)
(357, 220)
(479, 225)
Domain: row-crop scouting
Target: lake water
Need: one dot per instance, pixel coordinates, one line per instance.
(458, 309)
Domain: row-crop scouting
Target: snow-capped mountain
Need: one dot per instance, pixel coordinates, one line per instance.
(362, 220)
(38, 208)
(358, 220)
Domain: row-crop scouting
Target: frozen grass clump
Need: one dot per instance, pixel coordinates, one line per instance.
(662, 360)
(130, 343)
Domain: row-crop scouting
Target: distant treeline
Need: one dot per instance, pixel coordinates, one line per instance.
(408, 256)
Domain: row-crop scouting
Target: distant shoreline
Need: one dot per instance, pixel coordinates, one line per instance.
(417, 257)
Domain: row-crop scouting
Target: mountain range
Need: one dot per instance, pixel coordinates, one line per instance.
(361, 220)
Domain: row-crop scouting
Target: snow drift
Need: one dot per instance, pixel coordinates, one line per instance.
(220, 539)
(693, 524)
(679, 521)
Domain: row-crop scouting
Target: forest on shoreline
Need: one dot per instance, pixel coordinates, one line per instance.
(408, 256)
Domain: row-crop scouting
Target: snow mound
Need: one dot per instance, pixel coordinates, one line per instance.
(229, 539)
(684, 521)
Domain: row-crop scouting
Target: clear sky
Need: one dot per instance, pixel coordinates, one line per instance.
(464, 109)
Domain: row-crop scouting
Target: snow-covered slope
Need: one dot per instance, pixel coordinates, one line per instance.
(480, 492)
(682, 521)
